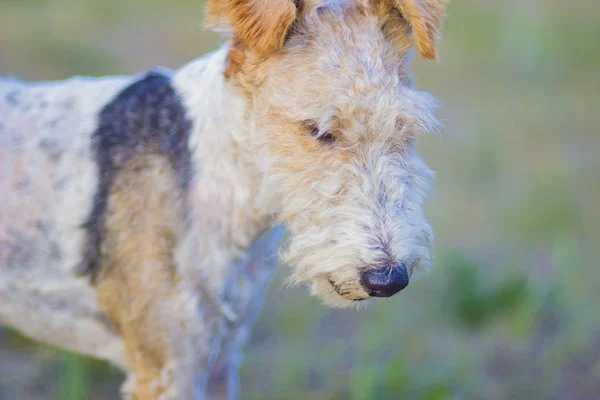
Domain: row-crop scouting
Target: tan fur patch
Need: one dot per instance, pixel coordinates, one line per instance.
(260, 24)
(138, 276)
(425, 17)
(235, 58)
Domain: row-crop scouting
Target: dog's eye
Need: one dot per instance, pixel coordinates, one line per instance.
(325, 137)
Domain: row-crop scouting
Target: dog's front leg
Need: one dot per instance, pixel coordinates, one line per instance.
(169, 343)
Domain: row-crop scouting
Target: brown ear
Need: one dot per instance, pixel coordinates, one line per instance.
(262, 25)
(425, 18)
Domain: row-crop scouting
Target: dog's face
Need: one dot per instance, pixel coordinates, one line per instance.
(337, 118)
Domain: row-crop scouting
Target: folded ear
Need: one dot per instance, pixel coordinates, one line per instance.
(261, 25)
(425, 18)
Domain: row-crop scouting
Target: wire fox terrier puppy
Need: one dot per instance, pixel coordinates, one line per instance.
(139, 217)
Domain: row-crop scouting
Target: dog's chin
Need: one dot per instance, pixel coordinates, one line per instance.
(339, 294)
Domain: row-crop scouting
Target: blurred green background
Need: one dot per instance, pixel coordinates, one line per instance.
(511, 309)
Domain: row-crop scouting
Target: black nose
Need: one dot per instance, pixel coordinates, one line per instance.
(384, 282)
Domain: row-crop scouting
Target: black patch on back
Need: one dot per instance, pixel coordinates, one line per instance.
(145, 118)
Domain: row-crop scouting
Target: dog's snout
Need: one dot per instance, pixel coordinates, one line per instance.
(384, 282)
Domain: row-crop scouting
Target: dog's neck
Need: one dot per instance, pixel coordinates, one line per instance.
(230, 203)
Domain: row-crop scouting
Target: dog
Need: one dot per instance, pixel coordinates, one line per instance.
(141, 217)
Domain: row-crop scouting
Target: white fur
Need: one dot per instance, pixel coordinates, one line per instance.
(43, 298)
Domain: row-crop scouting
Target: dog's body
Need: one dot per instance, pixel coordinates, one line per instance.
(138, 216)
(48, 153)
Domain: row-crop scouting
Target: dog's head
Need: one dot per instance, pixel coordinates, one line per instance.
(336, 116)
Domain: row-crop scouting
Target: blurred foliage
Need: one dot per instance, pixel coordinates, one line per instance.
(510, 312)
(73, 379)
(472, 301)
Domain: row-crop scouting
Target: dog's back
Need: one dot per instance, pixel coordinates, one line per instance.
(47, 182)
